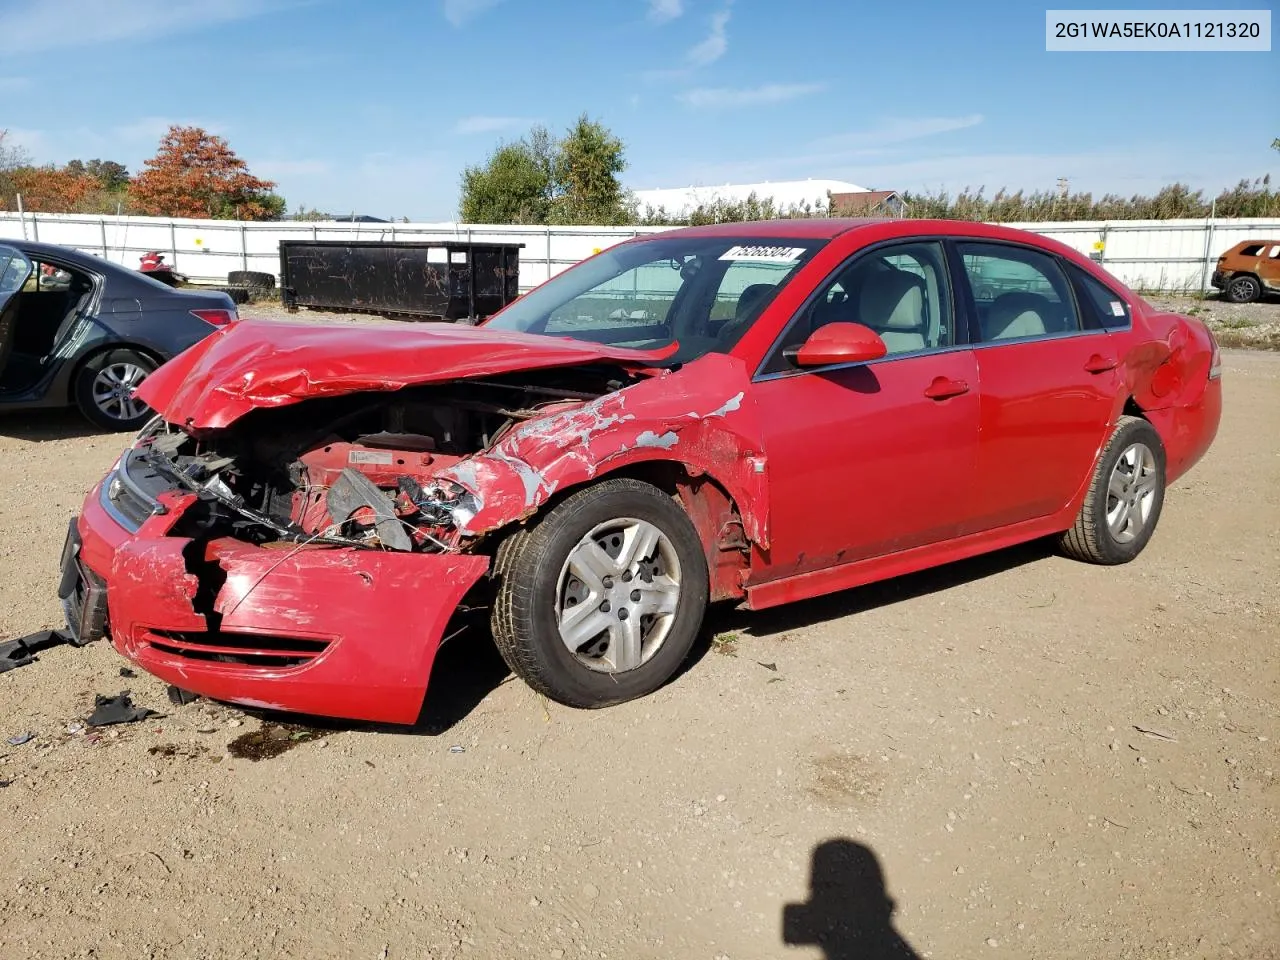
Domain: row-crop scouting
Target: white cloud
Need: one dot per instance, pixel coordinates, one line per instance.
(30, 26)
(663, 11)
(728, 97)
(716, 43)
(483, 124)
(458, 12)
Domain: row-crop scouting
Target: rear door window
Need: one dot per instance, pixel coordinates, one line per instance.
(1018, 292)
(1099, 304)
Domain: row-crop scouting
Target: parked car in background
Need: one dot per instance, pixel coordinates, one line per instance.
(1248, 271)
(751, 412)
(78, 330)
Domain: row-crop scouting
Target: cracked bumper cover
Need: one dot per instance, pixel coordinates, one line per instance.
(330, 632)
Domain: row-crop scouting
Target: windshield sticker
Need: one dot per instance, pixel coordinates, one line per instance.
(1117, 308)
(763, 254)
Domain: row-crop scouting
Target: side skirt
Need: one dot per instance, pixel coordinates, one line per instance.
(818, 582)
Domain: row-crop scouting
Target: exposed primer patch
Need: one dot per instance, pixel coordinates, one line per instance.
(729, 406)
(665, 441)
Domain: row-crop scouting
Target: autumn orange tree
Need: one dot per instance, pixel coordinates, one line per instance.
(197, 174)
(51, 189)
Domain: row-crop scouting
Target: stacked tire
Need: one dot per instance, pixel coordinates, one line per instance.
(246, 285)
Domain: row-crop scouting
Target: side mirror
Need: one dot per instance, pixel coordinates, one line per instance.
(838, 343)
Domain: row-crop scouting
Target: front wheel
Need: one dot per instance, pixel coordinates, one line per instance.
(104, 389)
(600, 601)
(1126, 494)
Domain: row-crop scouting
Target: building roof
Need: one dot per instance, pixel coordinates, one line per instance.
(785, 194)
(852, 204)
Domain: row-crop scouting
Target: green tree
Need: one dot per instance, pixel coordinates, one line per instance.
(586, 166)
(539, 179)
(112, 175)
(514, 185)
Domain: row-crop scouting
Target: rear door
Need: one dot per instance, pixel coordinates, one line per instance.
(1048, 383)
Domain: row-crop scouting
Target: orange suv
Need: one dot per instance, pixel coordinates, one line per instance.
(1248, 270)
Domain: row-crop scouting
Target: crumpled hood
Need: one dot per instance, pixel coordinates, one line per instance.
(256, 363)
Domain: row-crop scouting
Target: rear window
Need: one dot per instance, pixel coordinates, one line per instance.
(1251, 250)
(1101, 306)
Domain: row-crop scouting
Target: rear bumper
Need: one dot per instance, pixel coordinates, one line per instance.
(1219, 280)
(324, 631)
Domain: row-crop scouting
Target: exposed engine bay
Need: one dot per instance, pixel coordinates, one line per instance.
(357, 470)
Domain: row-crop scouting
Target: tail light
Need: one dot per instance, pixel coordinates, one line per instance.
(217, 318)
(1215, 360)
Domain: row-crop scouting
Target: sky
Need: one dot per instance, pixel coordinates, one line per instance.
(376, 108)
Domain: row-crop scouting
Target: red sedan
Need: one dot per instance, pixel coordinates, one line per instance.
(755, 412)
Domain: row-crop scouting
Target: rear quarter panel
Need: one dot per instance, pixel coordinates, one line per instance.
(1167, 374)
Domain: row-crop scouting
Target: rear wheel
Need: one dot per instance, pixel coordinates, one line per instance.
(1244, 289)
(104, 389)
(1126, 494)
(600, 601)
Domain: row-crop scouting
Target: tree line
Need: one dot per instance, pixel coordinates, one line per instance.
(193, 174)
(543, 179)
(540, 179)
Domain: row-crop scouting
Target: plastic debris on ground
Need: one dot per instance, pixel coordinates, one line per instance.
(22, 651)
(117, 709)
(181, 697)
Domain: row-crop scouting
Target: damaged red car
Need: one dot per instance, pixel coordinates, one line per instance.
(752, 412)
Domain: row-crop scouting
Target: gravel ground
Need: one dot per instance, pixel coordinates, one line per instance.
(1029, 757)
(1253, 326)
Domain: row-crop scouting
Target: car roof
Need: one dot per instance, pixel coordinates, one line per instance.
(34, 248)
(803, 228)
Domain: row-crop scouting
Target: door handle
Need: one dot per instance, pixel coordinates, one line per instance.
(943, 387)
(1099, 364)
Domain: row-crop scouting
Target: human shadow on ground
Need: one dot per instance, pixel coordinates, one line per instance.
(848, 915)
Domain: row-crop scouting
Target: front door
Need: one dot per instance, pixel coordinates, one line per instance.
(871, 458)
(15, 269)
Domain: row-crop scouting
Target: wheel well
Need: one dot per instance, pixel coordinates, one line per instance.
(1131, 409)
(714, 514)
(99, 351)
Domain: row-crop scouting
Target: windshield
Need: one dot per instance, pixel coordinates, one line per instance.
(702, 292)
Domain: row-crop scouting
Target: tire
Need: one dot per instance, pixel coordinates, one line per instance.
(1102, 533)
(106, 370)
(1243, 288)
(238, 295)
(252, 278)
(536, 581)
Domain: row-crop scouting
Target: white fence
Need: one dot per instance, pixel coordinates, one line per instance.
(1146, 254)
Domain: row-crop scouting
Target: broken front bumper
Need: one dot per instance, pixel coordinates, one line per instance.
(327, 631)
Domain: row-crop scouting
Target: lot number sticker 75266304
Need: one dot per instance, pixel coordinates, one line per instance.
(762, 254)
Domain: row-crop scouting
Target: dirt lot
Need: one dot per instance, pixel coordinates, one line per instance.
(971, 739)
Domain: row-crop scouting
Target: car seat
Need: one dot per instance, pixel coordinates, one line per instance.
(891, 302)
(1018, 314)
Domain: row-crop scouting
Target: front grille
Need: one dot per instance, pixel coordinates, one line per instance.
(239, 649)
